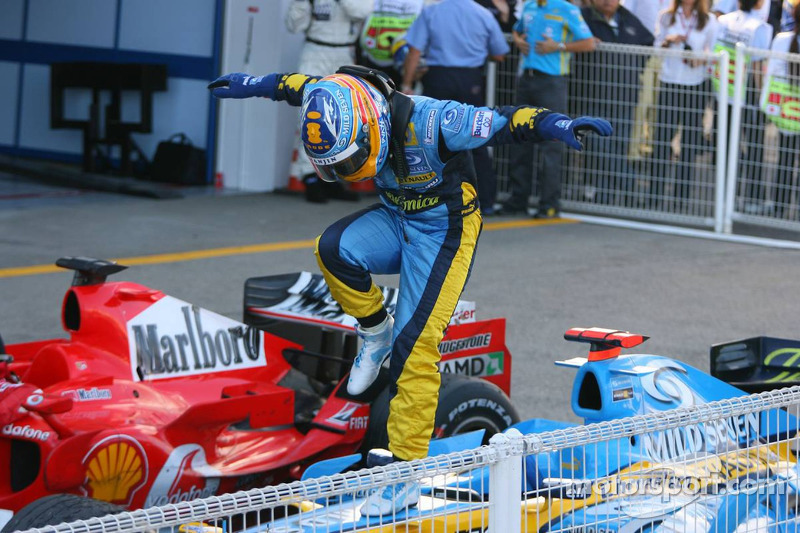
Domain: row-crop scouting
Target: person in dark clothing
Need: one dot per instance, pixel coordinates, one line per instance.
(503, 11)
(547, 34)
(608, 82)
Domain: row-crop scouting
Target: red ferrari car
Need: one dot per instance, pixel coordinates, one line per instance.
(152, 400)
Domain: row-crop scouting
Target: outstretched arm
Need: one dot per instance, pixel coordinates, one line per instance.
(288, 87)
(528, 123)
(466, 127)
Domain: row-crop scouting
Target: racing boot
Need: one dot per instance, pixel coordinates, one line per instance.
(393, 498)
(375, 349)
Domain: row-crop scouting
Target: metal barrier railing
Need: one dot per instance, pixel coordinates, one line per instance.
(653, 167)
(763, 180)
(722, 466)
(668, 160)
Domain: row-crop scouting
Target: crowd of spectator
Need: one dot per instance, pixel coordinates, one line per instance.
(658, 103)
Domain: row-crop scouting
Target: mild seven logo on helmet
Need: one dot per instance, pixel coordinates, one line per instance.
(344, 113)
(325, 121)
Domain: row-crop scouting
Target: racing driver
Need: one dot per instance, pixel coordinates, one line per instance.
(354, 127)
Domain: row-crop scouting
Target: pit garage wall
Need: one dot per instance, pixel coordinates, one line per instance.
(255, 136)
(183, 34)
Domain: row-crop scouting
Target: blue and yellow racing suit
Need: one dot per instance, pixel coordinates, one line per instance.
(426, 229)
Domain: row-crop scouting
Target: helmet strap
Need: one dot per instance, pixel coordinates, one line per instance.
(400, 109)
(376, 78)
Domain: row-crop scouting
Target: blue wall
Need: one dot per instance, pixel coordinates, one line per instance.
(183, 34)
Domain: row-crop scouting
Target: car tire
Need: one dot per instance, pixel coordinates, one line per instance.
(58, 508)
(465, 404)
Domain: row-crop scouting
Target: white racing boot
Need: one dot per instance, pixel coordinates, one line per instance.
(393, 498)
(375, 349)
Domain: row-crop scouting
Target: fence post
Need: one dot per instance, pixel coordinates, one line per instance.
(505, 484)
(491, 84)
(735, 128)
(722, 216)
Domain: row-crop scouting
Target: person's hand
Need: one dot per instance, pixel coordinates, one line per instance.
(522, 43)
(559, 127)
(242, 85)
(547, 46)
(673, 39)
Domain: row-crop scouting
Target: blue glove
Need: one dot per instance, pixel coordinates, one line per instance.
(241, 85)
(559, 127)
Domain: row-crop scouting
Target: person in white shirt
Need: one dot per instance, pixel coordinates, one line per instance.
(746, 26)
(770, 11)
(782, 86)
(685, 25)
(723, 7)
(647, 11)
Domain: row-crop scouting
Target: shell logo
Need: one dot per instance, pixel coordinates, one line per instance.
(116, 467)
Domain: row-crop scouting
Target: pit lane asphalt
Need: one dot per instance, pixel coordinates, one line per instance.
(686, 293)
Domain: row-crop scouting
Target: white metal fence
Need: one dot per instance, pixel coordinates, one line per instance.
(723, 466)
(668, 159)
(763, 181)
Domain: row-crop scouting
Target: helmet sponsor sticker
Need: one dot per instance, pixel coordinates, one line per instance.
(482, 124)
(174, 338)
(345, 119)
(326, 120)
(341, 156)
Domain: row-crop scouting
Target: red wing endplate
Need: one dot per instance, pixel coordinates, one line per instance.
(605, 343)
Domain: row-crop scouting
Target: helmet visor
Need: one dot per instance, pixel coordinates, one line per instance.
(344, 164)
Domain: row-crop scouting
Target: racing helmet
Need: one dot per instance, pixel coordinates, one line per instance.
(345, 128)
